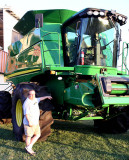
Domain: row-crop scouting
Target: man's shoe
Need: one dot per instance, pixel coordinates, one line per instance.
(30, 151)
(33, 152)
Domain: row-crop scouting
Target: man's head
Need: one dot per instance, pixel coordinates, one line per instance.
(31, 95)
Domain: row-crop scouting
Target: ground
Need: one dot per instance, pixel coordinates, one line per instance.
(68, 141)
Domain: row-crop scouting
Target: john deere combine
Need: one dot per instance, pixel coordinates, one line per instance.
(72, 56)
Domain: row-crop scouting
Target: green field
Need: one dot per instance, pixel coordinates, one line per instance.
(68, 141)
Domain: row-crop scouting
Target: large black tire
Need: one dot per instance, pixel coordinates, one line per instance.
(17, 113)
(5, 105)
(46, 119)
(45, 122)
(118, 124)
(46, 106)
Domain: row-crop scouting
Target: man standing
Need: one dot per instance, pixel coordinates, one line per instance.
(31, 119)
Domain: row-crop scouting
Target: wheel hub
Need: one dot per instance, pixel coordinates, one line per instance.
(19, 112)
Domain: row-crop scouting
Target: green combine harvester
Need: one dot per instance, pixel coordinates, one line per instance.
(71, 56)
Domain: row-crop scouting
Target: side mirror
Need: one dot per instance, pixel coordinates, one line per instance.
(38, 20)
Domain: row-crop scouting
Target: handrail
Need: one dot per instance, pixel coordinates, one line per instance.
(125, 52)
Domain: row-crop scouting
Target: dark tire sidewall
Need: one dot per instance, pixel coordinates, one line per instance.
(18, 131)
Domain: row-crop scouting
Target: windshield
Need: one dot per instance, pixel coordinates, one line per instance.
(91, 41)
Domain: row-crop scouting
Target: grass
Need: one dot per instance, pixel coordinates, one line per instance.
(68, 141)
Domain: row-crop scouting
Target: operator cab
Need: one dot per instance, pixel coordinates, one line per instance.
(91, 37)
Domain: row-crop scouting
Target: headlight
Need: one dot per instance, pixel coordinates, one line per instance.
(95, 13)
(90, 13)
(120, 18)
(102, 13)
(123, 19)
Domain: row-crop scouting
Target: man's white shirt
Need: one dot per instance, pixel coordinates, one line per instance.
(31, 108)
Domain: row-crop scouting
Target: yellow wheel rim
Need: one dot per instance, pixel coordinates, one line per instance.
(19, 112)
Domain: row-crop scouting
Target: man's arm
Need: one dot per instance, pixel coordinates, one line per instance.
(29, 120)
(45, 97)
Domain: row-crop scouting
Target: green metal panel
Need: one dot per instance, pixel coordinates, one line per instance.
(28, 40)
(56, 88)
(50, 28)
(29, 60)
(93, 70)
(24, 75)
(80, 94)
(27, 22)
(39, 48)
(62, 68)
(91, 118)
(117, 101)
(119, 89)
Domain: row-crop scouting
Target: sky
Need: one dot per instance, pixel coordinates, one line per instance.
(20, 7)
